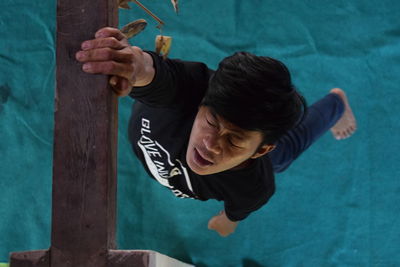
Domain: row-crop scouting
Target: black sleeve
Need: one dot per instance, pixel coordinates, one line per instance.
(244, 195)
(238, 209)
(176, 83)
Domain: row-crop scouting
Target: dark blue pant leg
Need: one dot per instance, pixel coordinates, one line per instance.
(321, 116)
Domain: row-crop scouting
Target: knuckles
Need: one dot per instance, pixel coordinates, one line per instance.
(132, 57)
(130, 69)
(98, 54)
(104, 32)
(111, 42)
(109, 67)
(137, 50)
(106, 54)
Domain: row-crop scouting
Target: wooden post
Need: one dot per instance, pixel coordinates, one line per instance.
(85, 143)
(84, 156)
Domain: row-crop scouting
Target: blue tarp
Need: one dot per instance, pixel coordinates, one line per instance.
(337, 205)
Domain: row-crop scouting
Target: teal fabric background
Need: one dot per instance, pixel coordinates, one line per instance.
(337, 205)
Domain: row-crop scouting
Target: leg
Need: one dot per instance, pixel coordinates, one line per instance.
(321, 116)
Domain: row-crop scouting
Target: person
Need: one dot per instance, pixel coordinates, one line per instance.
(220, 134)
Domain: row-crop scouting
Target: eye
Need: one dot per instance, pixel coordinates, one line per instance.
(232, 142)
(210, 123)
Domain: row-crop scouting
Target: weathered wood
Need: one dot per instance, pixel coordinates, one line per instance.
(142, 258)
(127, 258)
(85, 137)
(37, 258)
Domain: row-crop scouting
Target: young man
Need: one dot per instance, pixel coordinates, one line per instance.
(215, 135)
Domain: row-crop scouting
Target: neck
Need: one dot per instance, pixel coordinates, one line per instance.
(243, 165)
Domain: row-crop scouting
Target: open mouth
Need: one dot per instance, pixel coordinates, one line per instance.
(199, 160)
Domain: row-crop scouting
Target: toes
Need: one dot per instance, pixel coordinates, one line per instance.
(340, 135)
(336, 135)
(353, 128)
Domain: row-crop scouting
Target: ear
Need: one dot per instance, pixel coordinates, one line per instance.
(262, 150)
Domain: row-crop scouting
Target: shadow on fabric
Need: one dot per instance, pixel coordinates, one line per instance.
(252, 263)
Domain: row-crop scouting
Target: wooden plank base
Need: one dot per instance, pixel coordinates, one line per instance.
(115, 258)
(142, 258)
(35, 258)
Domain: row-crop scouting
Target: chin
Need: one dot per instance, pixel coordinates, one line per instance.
(197, 170)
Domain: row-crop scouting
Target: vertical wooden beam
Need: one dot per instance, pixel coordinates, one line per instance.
(85, 139)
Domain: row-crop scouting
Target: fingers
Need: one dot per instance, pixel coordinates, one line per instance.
(106, 37)
(111, 42)
(104, 54)
(109, 54)
(110, 32)
(109, 68)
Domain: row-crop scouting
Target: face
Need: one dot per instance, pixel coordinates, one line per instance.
(216, 145)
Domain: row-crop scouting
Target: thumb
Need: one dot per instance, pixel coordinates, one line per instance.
(121, 86)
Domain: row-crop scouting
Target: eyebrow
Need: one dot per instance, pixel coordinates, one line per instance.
(239, 134)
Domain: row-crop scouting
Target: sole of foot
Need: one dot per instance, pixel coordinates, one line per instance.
(347, 124)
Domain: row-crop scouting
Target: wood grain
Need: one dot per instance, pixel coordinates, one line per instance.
(85, 138)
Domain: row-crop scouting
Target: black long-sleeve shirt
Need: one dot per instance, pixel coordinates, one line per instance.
(159, 131)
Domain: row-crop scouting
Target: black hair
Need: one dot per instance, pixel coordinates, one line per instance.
(255, 93)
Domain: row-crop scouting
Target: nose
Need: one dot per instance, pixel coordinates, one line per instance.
(211, 143)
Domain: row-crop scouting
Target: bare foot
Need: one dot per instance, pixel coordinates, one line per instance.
(346, 125)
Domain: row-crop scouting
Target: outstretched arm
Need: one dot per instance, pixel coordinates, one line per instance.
(222, 224)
